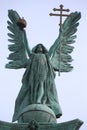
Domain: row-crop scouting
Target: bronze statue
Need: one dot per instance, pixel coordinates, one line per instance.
(38, 85)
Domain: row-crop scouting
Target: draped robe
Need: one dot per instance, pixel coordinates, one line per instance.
(38, 85)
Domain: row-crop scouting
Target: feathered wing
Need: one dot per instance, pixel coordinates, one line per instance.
(19, 47)
(62, 48)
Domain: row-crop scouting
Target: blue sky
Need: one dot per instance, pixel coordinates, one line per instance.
(41, 28)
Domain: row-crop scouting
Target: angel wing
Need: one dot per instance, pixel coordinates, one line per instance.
(61, 49)
(20, 51)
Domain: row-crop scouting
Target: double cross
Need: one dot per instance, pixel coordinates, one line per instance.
(60, 24)
(61, 14)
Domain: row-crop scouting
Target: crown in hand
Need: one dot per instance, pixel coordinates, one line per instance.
(21, 23)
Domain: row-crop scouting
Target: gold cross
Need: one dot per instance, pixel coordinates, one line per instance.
(61, 14)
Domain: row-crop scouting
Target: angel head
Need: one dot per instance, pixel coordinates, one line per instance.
(39, 49)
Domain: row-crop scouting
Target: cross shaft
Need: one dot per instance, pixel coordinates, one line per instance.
(60, 24)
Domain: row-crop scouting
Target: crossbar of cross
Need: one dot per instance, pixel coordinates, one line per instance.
(61, 14)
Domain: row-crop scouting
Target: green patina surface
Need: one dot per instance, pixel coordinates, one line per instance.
(37, 105)
(38, 82)
(70, 125)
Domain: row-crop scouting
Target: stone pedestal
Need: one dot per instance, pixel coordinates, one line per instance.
(39, 117)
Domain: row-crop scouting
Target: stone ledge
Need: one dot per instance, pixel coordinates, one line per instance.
(69, 125)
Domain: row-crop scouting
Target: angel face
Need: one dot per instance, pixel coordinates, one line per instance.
(39, 49)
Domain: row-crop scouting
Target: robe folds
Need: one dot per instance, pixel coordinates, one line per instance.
(38, 85)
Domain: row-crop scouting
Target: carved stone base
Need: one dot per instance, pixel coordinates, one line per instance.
(33, 125)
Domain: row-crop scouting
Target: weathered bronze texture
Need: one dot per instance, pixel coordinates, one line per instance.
(38, 82)
(37, 106)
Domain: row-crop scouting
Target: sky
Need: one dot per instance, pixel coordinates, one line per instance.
(42, 28)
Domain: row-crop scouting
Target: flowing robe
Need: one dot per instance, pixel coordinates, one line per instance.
(38, 85)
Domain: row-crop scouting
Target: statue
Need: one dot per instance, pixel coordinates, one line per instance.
(38, 82)
(37, 106)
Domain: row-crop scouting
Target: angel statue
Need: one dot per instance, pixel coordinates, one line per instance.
(38, 82)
